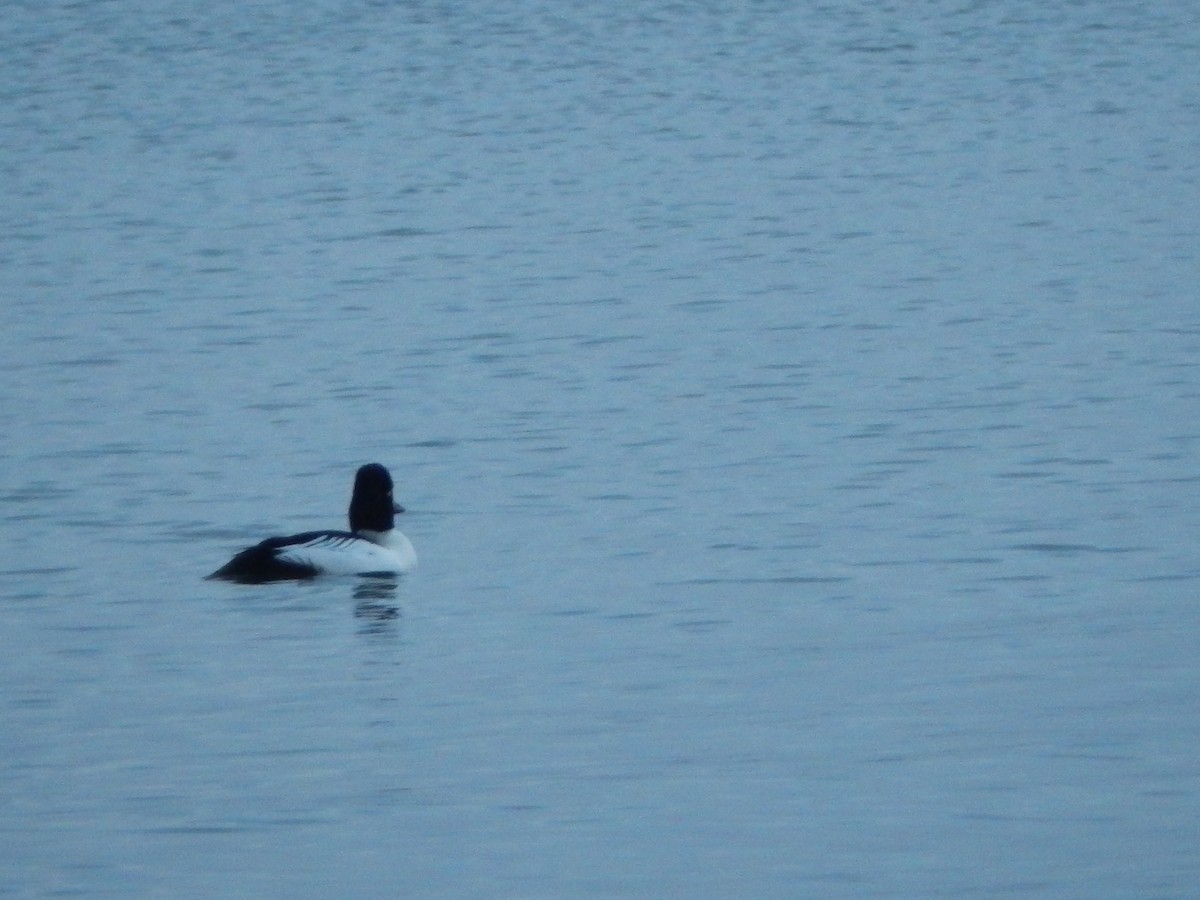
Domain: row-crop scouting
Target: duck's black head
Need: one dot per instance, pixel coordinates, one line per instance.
(371, 506)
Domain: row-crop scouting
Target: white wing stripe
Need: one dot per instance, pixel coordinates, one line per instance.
(337, 555)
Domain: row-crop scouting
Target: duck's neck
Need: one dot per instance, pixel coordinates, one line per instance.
(382, 538)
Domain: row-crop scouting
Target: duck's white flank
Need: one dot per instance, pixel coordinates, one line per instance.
(364, 553)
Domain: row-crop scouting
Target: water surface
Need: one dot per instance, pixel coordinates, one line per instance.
(795, 407)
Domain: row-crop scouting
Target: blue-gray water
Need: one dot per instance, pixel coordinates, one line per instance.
(795, 404)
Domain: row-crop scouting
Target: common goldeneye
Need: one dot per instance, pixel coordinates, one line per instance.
(372, 546)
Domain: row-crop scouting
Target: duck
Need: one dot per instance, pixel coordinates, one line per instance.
(372, 546)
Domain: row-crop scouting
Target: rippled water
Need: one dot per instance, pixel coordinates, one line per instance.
(795, 406)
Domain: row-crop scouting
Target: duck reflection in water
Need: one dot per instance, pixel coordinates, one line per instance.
(375, 601)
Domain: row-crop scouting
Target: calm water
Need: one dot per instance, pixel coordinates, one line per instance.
(796, 406)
